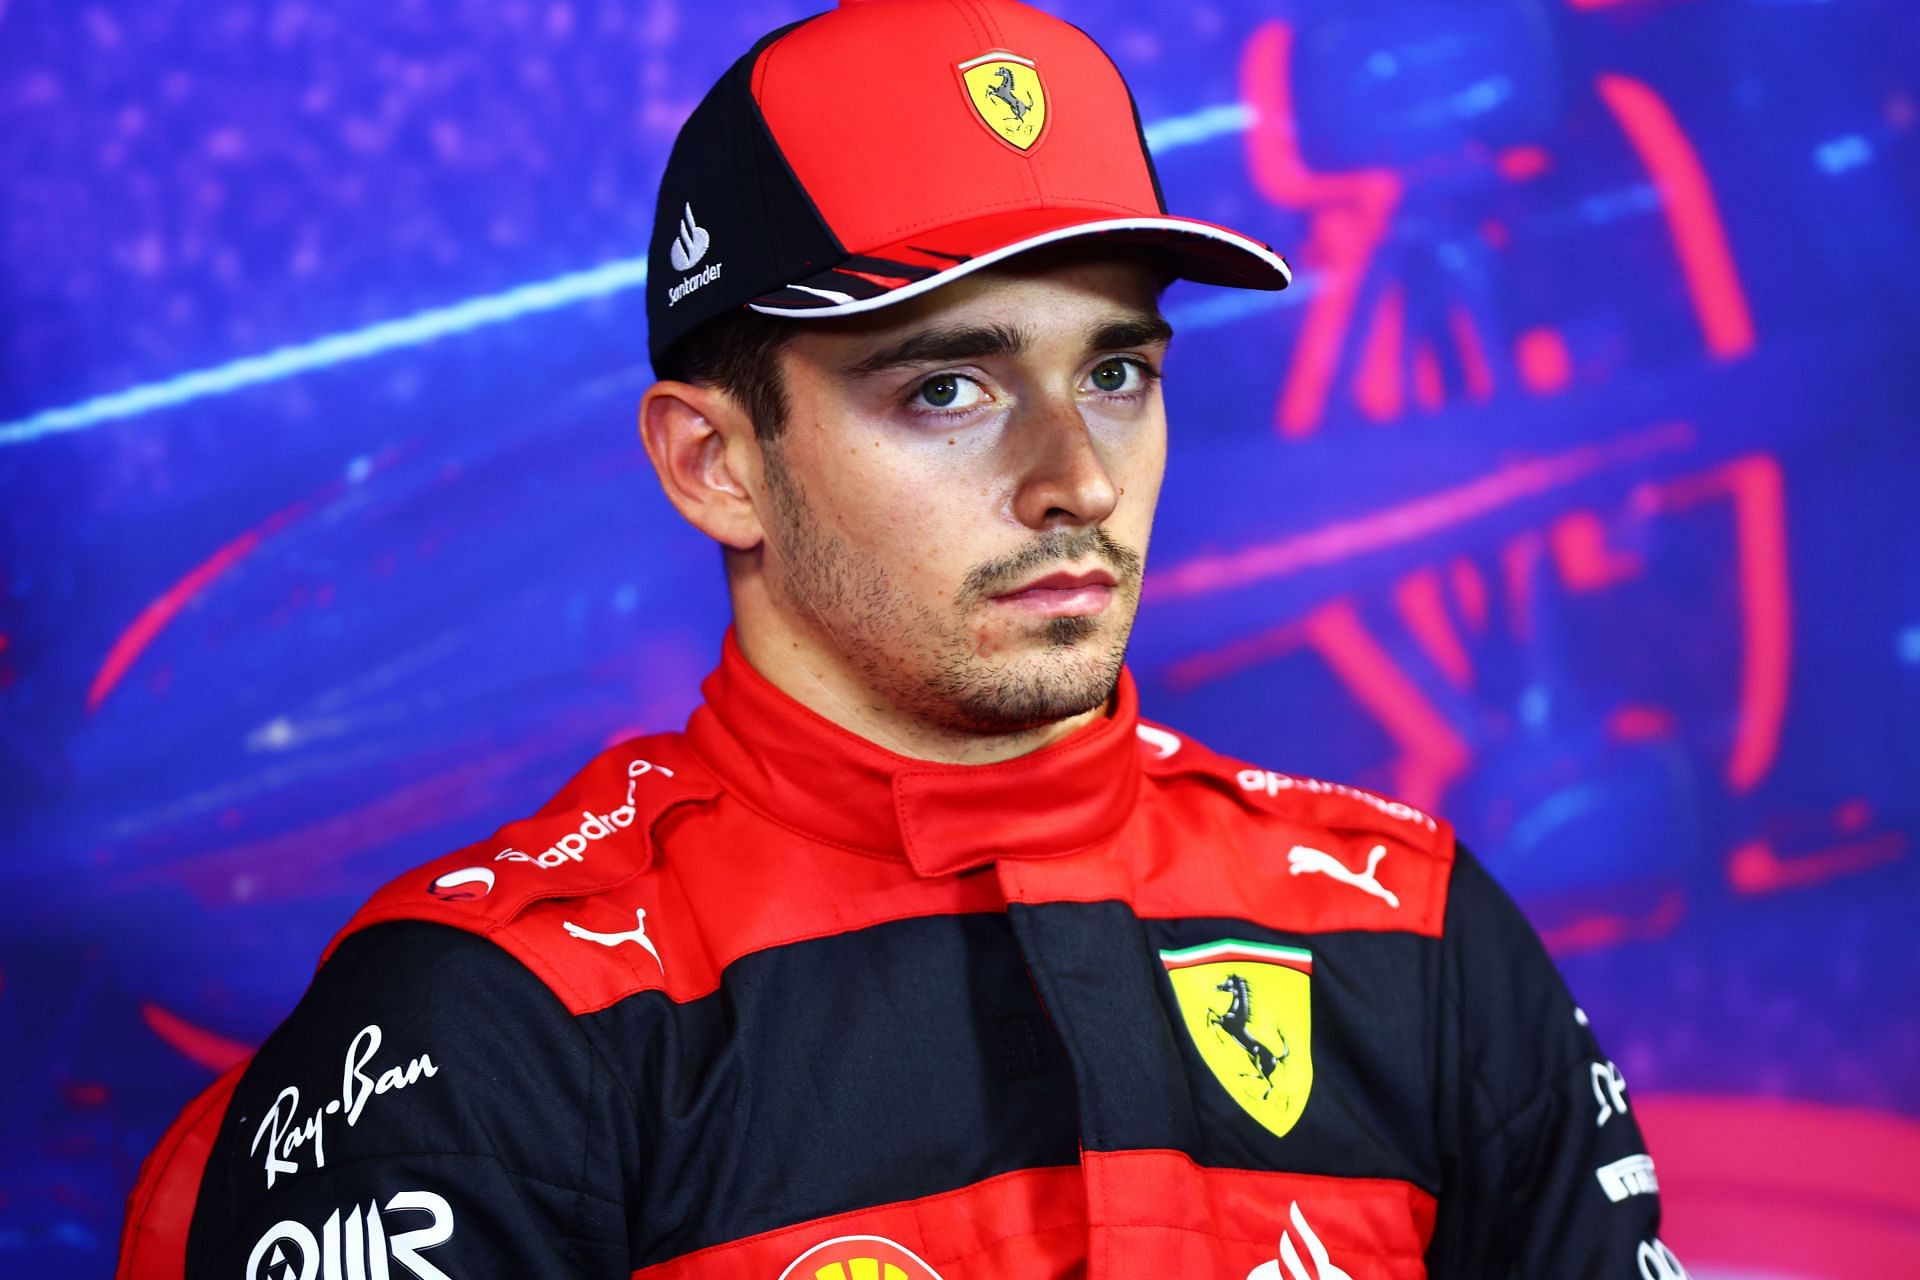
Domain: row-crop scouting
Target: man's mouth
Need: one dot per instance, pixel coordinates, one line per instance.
(1062, 594)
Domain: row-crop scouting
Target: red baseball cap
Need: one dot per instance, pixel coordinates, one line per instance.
(871, 153)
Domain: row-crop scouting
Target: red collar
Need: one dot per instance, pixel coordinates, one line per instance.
(808, 774)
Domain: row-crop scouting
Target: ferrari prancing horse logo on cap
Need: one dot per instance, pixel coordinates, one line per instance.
(1007, 96)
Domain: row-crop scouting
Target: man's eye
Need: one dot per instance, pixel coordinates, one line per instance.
(949, 391)
(1118, 376)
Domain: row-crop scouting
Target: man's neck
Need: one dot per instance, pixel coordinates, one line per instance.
(819, 681)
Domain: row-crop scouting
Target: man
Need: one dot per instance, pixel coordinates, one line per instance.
(918, 954)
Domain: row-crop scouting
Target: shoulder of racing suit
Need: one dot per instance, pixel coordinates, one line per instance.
(585, 866)
(1288, 852)
(540, 884)
(595, 835)
(1297, 848)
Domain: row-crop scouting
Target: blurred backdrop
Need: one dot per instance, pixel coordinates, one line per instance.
(1568, 491)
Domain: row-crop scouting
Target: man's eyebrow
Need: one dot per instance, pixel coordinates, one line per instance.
(1142, 330)
(941, 345)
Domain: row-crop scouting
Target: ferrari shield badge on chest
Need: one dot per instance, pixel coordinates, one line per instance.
(1005, 92)
(1247, 1006)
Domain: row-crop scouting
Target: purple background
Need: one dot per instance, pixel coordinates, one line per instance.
(1568, 491)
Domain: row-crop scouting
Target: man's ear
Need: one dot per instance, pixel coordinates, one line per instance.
(702, 446)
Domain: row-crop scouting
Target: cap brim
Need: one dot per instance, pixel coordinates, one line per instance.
(1193, 249)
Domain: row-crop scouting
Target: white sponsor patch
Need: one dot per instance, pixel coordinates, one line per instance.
(1164, 744)
(592, 826)
(1266, 780)
(1303, 860)
(283, 1135)
(689, 243)
(636, 935)
(697, 280)
(1628, 1176)
(1317, 1265)
(1610, 1091)
(866, 1257)
(463, 885)
(1658, 1263)
(367, 1244)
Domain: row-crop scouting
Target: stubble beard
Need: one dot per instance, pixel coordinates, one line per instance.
(928, 666)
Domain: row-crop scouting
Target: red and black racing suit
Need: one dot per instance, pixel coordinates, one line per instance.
(1120, 1008)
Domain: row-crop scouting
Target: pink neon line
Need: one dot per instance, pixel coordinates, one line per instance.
(1759, 496)
(1518, 560)
(1698, 233)
(1248, 651)
(1428, 389)
(1517, 164)
(1613, 4)
(1423, 606)
(1411, 521)
(1581, 553)
(1758, 491)
(1378, 385)
(1595, 932)
(162, 610)
(1432, 754)
(1640, 724)
(1348, 212)
(205, 1047)
(1470, 589)
(1755, 867)
(1473, 353)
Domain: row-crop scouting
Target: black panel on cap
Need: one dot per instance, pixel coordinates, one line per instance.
(762, 229)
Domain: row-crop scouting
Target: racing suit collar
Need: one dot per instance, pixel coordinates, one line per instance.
(807, 773)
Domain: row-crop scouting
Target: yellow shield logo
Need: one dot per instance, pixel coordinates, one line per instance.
(1006, 94)
(1247, 1006)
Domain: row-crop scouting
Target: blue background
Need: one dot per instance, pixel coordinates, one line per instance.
(1568, 491)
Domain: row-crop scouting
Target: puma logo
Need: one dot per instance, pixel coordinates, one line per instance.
(1302, 860)
(636, 934)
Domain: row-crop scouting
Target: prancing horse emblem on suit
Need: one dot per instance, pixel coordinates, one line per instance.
(1248, 1008)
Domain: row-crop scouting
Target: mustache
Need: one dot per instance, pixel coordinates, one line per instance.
(1056, 546)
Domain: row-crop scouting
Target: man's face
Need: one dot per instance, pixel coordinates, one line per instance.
(960, 504)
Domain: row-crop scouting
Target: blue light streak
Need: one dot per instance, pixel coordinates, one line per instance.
(339, 348)
(1202, 126)
(460, 317)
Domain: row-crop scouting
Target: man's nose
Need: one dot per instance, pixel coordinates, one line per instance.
(1065, 478)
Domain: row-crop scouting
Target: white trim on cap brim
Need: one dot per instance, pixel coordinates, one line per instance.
(852, 305)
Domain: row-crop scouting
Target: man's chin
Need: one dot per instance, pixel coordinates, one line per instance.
(1070, 630)
(1007, 637)
(1064, 667)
